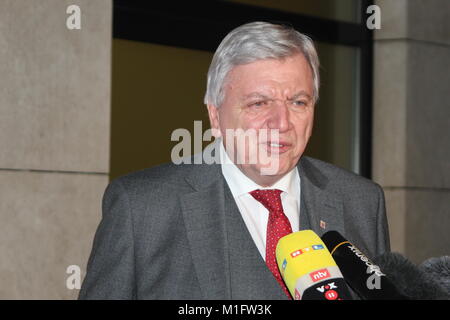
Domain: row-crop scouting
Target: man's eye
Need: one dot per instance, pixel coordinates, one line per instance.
(258, 104)
(300, 103)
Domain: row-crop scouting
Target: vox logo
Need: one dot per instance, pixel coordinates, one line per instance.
(327, 287)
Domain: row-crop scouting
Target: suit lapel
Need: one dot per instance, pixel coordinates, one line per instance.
(227, 262)
(204, 218)
(323, 208)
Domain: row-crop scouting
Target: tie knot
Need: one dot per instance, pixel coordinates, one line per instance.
(269, 198)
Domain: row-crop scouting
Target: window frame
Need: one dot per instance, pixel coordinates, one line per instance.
(182, 24)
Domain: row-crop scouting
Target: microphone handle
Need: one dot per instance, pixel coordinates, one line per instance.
(376, 286)
(364, 277)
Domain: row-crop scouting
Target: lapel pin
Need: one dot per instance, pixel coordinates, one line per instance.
(323, 224)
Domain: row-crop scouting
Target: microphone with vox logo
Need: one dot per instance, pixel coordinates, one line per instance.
(307, 268)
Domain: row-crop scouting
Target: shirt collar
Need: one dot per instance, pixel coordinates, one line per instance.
(240, 184)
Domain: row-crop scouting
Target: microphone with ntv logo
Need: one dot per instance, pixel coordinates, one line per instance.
(320, 269)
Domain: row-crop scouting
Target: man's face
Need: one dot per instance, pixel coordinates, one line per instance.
(272, 95)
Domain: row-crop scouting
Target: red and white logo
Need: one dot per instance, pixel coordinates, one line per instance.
(319, 275)
(328, 291)
(331, 295)
(296, 253)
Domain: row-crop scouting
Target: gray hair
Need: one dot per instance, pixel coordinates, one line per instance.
(257, 41)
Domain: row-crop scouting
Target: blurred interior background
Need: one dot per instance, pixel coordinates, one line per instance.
(81, 107)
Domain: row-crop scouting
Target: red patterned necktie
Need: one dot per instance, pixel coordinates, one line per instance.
(278, 226)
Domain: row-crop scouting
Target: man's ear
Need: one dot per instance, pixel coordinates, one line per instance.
(213, 113)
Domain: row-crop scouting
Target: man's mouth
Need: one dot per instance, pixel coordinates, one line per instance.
(277, 147)
(275, 144)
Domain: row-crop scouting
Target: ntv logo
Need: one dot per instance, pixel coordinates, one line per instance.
(319, 275)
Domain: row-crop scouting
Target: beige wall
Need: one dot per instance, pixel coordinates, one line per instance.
(54, 141)
(411, 156)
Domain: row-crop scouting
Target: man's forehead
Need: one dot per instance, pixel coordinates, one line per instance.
(271, 78)
(269, 95)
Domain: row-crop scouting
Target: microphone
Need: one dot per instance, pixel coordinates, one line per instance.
(308, 269)
(439, 270)
(362, 275)
(426, 282)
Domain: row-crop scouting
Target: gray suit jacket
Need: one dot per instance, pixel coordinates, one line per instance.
(175, 232)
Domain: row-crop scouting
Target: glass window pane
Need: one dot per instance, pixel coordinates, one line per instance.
(335, 125)
(342, 10)
(155, 90)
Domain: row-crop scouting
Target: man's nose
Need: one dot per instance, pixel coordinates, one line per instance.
(279, 117)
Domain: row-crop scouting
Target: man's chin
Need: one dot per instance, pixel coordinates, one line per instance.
(275, 169)
(265, 175)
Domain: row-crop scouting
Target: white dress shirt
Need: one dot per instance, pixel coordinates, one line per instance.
(254, 214)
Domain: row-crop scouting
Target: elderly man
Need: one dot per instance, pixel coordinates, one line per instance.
(209, 231)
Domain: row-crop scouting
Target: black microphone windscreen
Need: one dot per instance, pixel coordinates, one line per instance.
(409, 279)
(439, 270)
